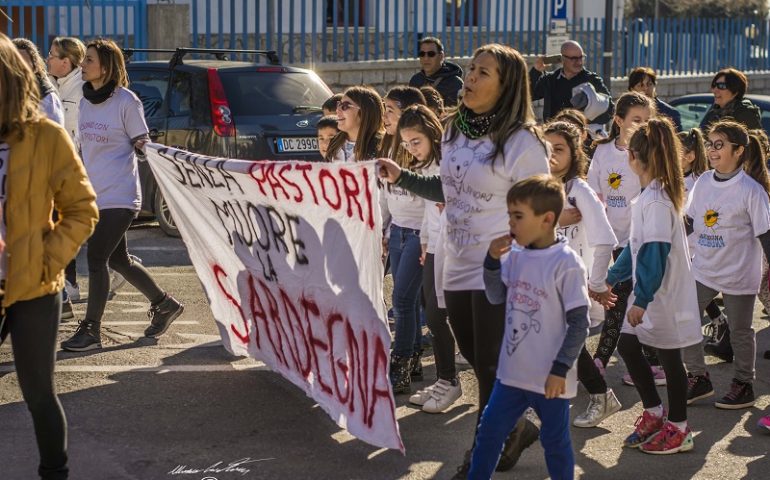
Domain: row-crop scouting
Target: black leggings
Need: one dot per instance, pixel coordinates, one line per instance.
(436, 318)
(613, 319)
(479, 327)
(33, 326)
(589, 375)
(108, 245)
(71, 272)
(630, 349)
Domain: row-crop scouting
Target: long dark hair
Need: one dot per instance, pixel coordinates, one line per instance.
(513, 111)
(422, 119)
(571, 135)
(656, 146)
(404, 97)
(625, 103)
(370, 132)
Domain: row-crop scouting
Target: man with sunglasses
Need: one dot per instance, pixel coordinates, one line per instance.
(729, 86)
(446, 77)
(556, 88)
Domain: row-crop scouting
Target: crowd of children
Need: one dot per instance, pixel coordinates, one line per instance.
(515, 238)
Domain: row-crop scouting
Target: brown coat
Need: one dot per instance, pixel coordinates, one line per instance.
(44, 171)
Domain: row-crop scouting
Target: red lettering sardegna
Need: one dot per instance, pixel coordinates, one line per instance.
(343, 190)
(346, 364)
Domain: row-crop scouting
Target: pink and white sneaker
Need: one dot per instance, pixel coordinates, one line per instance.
(669, 440)
(657, 374)
(645, 428)
(764, 422)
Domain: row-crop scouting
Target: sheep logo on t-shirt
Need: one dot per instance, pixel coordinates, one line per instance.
(460, 158)
(520, 322)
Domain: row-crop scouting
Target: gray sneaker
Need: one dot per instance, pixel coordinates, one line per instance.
(161, 316)
(600, 406)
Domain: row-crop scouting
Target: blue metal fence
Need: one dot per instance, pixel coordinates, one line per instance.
(125, 21)
(312, 31)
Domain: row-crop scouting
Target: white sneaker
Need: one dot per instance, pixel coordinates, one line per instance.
(460, 360)
(442, 396)
(600, 406)
(421, 396)
(73, 291)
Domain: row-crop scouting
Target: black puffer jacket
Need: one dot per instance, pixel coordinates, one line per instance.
(739, 109)
(448, 81)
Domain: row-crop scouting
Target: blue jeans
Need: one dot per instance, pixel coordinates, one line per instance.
(404, 249)
(502, 412)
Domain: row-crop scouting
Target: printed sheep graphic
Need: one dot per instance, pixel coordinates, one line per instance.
(460, 158)
(520, 323)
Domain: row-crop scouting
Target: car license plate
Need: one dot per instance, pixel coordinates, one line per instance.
(297, 144)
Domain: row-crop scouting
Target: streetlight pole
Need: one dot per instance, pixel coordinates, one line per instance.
(608, 34)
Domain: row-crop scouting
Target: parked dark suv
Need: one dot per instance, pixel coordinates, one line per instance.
(259, 110)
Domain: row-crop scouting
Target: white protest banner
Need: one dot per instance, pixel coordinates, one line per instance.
(289, 256)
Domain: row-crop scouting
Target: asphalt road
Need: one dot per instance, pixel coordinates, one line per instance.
(154, 410)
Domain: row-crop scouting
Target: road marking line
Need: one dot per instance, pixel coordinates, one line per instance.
(149, 368)
(158, 249)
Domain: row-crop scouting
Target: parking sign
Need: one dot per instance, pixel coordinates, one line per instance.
(558, 9)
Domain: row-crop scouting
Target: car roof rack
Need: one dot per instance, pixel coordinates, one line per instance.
(220, 53)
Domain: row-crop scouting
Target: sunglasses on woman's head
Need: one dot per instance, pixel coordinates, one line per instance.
(719, 85)
(430, 54)
(345, 106)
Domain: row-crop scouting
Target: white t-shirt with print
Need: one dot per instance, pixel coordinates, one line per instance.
(689, 182)
(727, 219)
(672, 319)
(543, 285)
(475, 189)
(430, 232)
(592, 230)
(346, 153)
(611, 177)
(406, 209)
(106, 131)
(4, 153)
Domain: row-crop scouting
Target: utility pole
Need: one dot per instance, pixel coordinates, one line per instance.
(608, 34)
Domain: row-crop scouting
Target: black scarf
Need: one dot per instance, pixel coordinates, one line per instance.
(98, 96)
(473, 126)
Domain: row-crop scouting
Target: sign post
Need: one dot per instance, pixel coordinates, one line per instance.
(557, 33)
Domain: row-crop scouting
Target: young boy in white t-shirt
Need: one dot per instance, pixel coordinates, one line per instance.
(543, 284)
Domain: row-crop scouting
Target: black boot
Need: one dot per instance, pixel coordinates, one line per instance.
(415, 367)
(719, 343)
(400, 379)
(524, 435)
(86, 337)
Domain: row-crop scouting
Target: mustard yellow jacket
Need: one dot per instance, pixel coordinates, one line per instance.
(44, 171)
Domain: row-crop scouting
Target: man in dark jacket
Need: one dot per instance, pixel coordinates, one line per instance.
(446, 77)
(556, 87)
(729, 86)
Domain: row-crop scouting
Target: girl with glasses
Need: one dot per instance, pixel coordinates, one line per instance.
(729, 212)
(359, 119)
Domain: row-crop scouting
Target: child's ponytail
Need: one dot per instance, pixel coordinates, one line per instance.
(656, 145)
(693, 141)
(753, 159)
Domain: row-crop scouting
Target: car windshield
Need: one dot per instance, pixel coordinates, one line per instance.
(272, 93)
(692, 113)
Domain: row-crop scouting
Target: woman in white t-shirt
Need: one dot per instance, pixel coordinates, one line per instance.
(663, 312)
(593, 239)
(406, 212)
(50, 103)
(616, 185)
(729, 212)
(111, 129)
(490, 143)
(359, 119)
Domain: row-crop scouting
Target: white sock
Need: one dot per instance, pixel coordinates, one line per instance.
(682, 426)
(657, 411)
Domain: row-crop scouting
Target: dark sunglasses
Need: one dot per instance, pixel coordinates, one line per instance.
(719, 85)
(430, 54)
(345, 106)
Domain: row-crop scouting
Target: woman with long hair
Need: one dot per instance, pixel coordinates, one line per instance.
(491, 142)
(39, 171)
(50, 103)
(360, 121)
(112, 128)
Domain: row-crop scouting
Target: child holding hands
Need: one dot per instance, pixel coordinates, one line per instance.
(542, 282)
